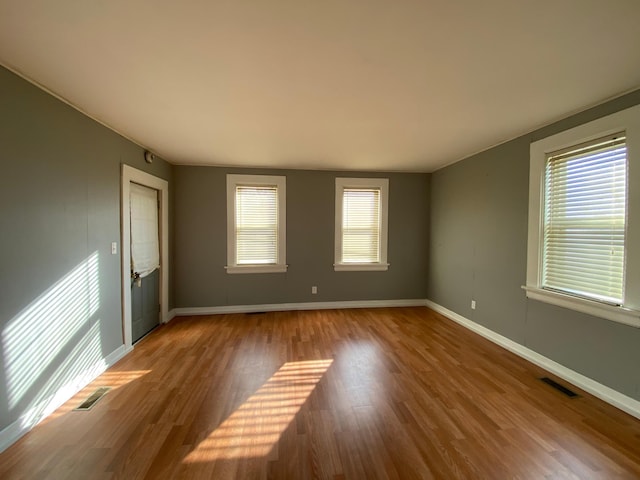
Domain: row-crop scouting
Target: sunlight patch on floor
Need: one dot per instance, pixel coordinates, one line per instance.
(256, 426)
(114, 380)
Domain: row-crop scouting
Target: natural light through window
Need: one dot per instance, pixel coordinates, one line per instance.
(584, 234)
(113, 380)
(34, 338)
(256, 224)
(361, 224)
(256, 426)
(584, 221)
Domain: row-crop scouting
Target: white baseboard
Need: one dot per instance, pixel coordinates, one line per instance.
(609, 395)
(37, 413)
(281, 307)
(171, 315)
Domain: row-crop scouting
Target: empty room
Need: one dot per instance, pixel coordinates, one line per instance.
(320, 240)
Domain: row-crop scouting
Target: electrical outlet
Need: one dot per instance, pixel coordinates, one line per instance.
(114, 248)
(314, 290)
(473, 304)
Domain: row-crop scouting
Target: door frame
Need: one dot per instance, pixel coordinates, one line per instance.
(130, 174)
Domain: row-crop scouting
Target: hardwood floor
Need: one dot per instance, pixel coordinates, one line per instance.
(343, 394)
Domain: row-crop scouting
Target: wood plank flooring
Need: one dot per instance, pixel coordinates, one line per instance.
(342, 394)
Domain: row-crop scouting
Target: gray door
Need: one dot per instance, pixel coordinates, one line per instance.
(145, 267)
(145, 305)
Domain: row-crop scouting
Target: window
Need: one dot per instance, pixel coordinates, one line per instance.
(584, 227)
(584, 220)
(256, 224)
(361, 224)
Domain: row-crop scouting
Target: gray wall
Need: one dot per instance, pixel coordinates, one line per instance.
(478, 250)
(59, 206)
(201, 250)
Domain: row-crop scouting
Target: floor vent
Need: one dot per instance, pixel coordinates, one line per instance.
(561, 388)
(93, 399)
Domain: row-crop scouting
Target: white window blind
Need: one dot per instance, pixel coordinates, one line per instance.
(361, 225)
(584, 220)
(256, 225)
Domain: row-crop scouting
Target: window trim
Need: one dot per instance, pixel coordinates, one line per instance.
(379, 183)
(233, 180)
(628, 121)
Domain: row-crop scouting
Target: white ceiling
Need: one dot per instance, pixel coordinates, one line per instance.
(404, 85)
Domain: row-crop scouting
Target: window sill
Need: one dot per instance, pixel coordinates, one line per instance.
(360, 267)
(622, 315)
(256, 268)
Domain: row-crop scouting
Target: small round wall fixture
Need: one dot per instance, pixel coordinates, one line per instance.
(149, 157)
